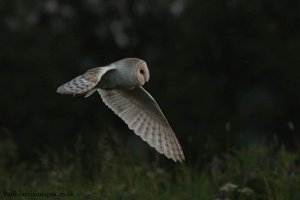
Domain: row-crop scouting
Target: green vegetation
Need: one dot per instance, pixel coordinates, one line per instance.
(257, 172)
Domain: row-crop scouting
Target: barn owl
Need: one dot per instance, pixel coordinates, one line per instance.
(120, 87)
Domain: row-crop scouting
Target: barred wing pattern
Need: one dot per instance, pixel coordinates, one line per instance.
(142, 115)
(85, 82)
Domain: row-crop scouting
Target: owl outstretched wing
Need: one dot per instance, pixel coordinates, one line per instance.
(142, 115)
(84, 83)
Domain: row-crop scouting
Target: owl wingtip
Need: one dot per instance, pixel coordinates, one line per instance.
(180, 158)
(61, 90)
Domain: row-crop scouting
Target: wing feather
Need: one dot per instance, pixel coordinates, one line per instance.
(156, 139)
(137, 125)
(168, 144)
(148, 135)
(144, 128)
(84, 83)
(142, 115)
(135, 118)
(161, 137)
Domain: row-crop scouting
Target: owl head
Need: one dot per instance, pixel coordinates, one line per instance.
(134, 70)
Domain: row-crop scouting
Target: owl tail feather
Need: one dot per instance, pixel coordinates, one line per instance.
(89, 93)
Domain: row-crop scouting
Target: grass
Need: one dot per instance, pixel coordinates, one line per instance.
(257, 172)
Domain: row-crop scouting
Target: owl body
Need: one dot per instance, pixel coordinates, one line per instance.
(116, 79)
(120, 87)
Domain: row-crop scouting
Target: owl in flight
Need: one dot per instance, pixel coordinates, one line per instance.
(120, 87)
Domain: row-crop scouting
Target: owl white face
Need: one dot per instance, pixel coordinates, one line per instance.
(142, 73)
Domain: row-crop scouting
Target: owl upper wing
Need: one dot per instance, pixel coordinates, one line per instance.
(142, 115)
(84, 83)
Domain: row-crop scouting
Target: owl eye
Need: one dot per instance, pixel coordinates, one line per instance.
(142, 71)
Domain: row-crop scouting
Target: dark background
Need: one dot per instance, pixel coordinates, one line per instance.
(225, 73)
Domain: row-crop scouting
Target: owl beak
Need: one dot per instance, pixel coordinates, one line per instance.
(142, 65)
(147, 77)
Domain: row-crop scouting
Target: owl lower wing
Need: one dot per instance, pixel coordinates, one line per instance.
(142, 115)
(84, 83)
